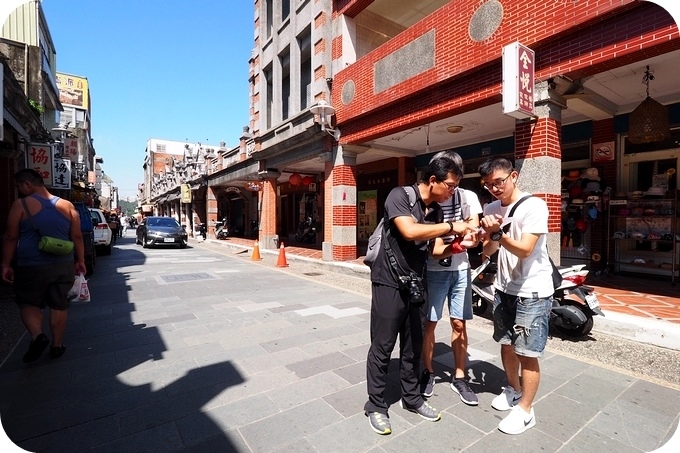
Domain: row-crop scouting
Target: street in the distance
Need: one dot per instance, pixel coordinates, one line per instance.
(204, 349)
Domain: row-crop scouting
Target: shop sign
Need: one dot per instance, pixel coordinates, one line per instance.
(518, 81)
(40, 160)
(147, 208)
(603, 152)
(61, 174)
(185, 191)
(253, 186)
(71, 149)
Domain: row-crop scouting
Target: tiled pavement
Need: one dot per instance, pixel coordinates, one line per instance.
(186, 350)
(637, 296)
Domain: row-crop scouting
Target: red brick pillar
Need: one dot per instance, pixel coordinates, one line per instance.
(538, 157)
(341, 188)
(268, 237)
(211, 211)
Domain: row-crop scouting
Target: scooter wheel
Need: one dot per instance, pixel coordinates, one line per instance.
(577, 331)
(479, 305)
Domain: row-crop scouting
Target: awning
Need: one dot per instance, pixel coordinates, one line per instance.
(7, 115)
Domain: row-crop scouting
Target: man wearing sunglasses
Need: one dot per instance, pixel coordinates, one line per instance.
(448, 278)
(523, 287)
(394, 310)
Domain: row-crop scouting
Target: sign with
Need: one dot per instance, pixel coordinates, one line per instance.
(61, 174)
(185, 193)
(73, 90)
(71, 149)
(39, 158)
(518, 81)
(603, 152)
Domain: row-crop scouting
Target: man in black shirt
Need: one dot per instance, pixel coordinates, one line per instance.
(395, 308)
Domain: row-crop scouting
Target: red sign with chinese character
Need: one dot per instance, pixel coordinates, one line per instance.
(40, 160)
(71, 149)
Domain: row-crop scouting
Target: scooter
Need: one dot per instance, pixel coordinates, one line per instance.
(574, 304)
(306, 231)
(221, 229)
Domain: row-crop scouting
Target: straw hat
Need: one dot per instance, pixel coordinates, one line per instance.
(592, 174)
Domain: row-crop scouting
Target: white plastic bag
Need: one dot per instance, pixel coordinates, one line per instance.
(79, 292)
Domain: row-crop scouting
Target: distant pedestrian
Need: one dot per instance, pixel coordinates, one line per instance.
(524, 289)
(124, 223)
(41, 279)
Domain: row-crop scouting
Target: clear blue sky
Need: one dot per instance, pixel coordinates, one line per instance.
(168, 69)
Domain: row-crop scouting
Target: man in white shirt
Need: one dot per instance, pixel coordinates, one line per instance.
(523, 287)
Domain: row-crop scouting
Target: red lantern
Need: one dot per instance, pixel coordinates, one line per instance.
(307, 180)
(295, 179)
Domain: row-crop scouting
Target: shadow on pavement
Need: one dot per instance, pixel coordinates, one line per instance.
(115, 389)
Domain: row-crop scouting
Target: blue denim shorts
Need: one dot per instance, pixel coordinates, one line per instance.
(522, 322)
(451, 285)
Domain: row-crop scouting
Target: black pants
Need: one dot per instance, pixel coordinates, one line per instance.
(392, 315)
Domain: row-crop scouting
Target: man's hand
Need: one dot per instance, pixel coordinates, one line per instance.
(8, 274)
(491, 223)
(80, 267)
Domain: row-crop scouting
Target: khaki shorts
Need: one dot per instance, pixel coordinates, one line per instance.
(44, 286)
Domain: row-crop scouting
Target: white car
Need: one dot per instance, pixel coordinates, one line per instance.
(102, 231)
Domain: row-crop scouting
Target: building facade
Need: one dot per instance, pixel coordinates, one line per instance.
(350, 98)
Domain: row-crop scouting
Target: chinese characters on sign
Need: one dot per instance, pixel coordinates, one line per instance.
(71, 149)
(40, 160)
(61, 173)
(518, 81)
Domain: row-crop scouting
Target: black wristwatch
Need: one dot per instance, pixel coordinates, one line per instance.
(450, 226)
(496, 236)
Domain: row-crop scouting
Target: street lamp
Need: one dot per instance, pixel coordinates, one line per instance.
(325, 111)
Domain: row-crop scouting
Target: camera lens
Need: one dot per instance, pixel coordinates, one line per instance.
(446, 262)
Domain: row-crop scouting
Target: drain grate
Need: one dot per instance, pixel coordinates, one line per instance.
(182, 278)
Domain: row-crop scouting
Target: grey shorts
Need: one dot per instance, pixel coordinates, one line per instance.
(522, 322)
(44, 286)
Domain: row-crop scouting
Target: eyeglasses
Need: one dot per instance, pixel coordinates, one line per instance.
(451, 186)
(497, 184)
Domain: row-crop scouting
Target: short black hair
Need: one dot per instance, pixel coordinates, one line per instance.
(30, 175)
(454, 156)
(440, 167)
(496, 163)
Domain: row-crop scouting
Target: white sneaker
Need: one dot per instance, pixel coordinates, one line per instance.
(517, 421)
(506, 400)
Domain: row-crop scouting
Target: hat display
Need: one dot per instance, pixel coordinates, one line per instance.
(592, 174)
(592, 186)
(573, 175)
(655, 192)
(577, 201)
(593, 199)
(636, 194)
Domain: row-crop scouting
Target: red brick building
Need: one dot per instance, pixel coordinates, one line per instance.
(408, 79)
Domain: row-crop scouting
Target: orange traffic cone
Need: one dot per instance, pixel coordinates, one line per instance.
(282, 262)
(256, 252)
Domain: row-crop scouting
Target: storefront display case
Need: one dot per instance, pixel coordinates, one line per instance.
(643, 231)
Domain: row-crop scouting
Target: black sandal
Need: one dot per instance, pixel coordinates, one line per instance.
(36, 348)
(57, 351)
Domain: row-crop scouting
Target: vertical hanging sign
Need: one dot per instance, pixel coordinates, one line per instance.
(518, 81)
(40, 160)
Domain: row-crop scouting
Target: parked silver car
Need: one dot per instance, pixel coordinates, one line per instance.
(154, 231)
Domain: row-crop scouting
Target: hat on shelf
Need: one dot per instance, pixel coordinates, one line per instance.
(592, 174)
(577, 201)
(593, 186)
(593, 199)
(573, 175)
(636, 194)
(655, 191)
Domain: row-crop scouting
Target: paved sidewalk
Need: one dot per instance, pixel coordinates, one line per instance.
(191, 350)
(640, 309)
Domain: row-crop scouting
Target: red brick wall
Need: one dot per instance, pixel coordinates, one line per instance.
(468, 74)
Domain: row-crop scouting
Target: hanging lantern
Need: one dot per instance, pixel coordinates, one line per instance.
(307, 180)
(295, 179)
(649, 121)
